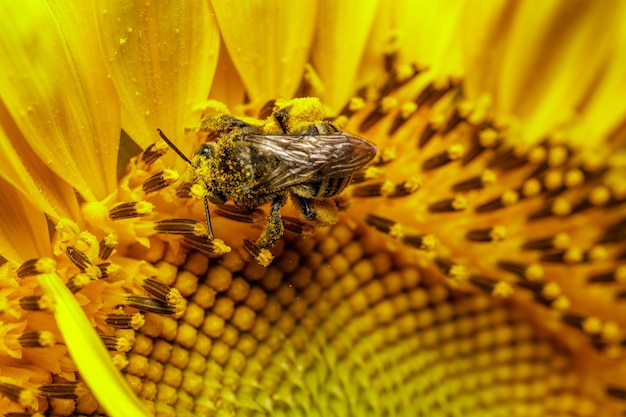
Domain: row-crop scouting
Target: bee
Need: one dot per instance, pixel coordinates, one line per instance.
(311, 162)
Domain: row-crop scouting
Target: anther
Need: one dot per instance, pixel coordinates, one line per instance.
(36, 303)
(481, 140)
(148, 304)
(352, 106)
(475, 183)
(492, 234)
(531, 272)
(508, 159)
(589, 325)
(432, 128)
(180, 227)
(558, 241)
(558, 207)
(615, 233)
(406, 187)
(116, 344)
(36, 266)
(405, 113)
(384, 106)
(385, 225)
(598, 197)
(457, 273)
(77, 282)
(184, 190)
(508, 198)
(206, 245)
(547, 290)
(153, 152)
(131, 210)
(569, 256)
(160, 180)
(107, 244)
(125, 321)
(37, 339)
(616, 275)
(374, 189)
(458, 203)
(108, 270)
(66, 390)
(424, 242)
(171, 296)
(298, 226)
(263, 256)
(619, 393)
(235, 213)
(460, 114)
(366, 174)
(82, 262)
(22, 396)
(451, 154)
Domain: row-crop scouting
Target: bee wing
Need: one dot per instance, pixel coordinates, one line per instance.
(312, 157)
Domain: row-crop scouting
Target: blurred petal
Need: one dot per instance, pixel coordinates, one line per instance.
(55, 85)
(163, 56)
(30, 176)
(23, 228)
(227, 86)
(269, 43)
(89, 354)
(340, 40)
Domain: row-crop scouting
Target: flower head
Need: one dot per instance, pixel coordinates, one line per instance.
(475, 266)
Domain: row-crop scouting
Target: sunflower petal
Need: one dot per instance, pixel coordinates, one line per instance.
(89, 354)
(163, 56)
(28, 174)
(269, 43)
(23, 227)
(340, 41)
(54, 84)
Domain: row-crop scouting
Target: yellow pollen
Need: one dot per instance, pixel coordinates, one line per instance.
(561, 207)
(537, 154)
(498, 233)
(599, 196)
(620, 274)
(144, 207)
(562, 303)
(531, 187)
(356, 103)
(197, 191)
(438, 121)
(574, 178)
(388, 154)
(455, 151)
(557, 155)
(170, 175)
(561, 241)
(597, 253)
(397, 231)
(387, 188)
(553, 180)
(502, 289)
(592, 325)
(509, 197)
(534, 272)
(459, 203)
(429, 242)
(488, 177)
(487, 137)
(45, 265)
(388, 103)
(573, 255)
(408, 109)
(551, 290)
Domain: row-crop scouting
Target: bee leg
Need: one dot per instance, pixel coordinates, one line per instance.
(321, 212)
(274, 226)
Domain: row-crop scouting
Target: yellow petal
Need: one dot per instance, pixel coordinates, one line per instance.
(163, 56)
(22, 168)
(227, 85)
(23, 228)
(342, 32)
(54, 83)
(269, 43)
(91, 358)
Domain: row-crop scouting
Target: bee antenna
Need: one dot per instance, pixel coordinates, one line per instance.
(174, 148)
(207, 215)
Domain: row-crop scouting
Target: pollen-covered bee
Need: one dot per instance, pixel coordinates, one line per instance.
(312, 161)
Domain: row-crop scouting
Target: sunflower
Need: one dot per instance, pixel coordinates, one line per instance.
(476, 268)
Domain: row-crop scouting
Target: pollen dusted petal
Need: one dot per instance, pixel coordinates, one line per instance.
(89, 354)
(269, 57)
(163, 57)
(56, 88)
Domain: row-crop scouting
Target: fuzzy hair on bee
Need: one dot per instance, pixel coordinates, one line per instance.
(291, 153)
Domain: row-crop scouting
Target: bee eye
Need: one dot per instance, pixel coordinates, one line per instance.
(203, 150)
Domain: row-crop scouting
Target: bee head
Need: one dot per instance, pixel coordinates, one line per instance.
(205, 150)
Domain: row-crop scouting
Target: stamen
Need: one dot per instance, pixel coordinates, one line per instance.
(481, 140)
(184, 190)
(108, 270)
(569, 256)
(475, 183)
(509, 159)
(458, 203)
(457, 273)
(617, 275)
(36, 266)
(366, 174)
(433, 127)
(206, 245)
(117, 344)
(148, 304)
(125, 321)
(180, 227)
(559, 207)
(374, 189)
(77, 282)
(298, 226)
(460, 114)
(131, 210)
(424, 242)
(36, 303)
(263, 256)
(107, 245)
(406, 187)
(37, 339)
(558, 241)
(508, 198)
(235, 213)
(82, 262)
(22, 396)
(589, 325)
(615, 233)
(491, 286)
(619, 393)
(153, 152)
(493, 234)
(386, 226)
(66, 390)
(160, 180)
(451, 154)
(171, 296)
(406, 111)
(531, 272)
(383, 108)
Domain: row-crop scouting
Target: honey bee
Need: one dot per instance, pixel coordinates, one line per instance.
(312, 162)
